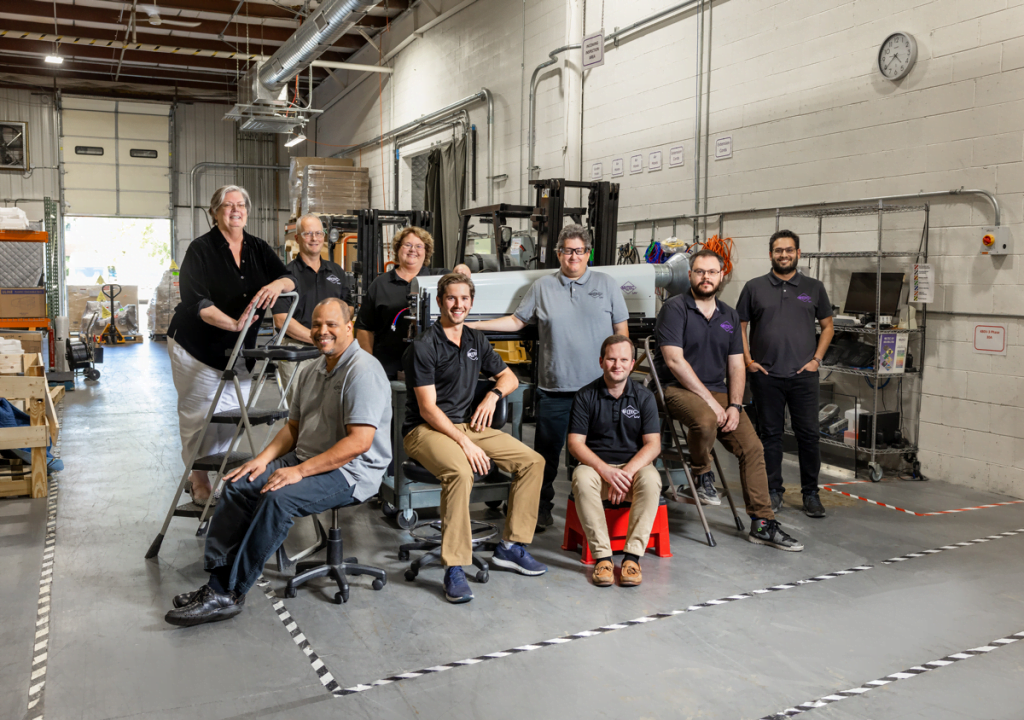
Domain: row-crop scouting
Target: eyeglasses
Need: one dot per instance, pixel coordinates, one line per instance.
(234, 206)
(708, 273)
(419, 248)
(314, 234)
(574, 251)
(784, 251)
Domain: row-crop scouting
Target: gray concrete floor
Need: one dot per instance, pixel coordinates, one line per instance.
(112, 656)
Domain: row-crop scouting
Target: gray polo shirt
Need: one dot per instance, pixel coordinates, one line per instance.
(781, 314)
(573, 318)
(356, 392)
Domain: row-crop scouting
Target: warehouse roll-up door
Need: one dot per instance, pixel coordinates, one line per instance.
(116, 157)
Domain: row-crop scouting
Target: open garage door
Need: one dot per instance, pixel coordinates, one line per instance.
(117, 158)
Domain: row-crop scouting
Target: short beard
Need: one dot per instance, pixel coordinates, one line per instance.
(781, 270)
(701, 295)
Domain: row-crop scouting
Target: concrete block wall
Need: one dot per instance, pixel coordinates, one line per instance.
(794, 83)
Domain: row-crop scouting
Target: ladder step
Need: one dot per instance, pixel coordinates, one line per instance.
(213, 462)
(256, 417)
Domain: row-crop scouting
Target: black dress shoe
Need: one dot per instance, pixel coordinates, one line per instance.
(208, 606)
(184, 599)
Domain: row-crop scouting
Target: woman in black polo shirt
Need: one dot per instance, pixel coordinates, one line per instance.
(224, 273)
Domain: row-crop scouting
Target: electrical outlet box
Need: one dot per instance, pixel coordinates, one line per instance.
(996, 241)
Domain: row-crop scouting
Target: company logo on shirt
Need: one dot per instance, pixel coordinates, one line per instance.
(631, 412)
(333, 279)
(471, 354)
(804, 298)
(727, 327)
(596, 294)
(628, 289)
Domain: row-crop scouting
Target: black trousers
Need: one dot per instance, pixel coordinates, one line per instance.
(552, 424)
(771, 397)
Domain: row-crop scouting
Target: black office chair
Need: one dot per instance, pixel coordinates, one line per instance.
(427, 535)
(337, 565)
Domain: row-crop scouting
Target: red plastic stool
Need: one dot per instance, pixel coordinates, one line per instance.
(618, 528)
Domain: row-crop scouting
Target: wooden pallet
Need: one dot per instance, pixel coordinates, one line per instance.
(23, 377)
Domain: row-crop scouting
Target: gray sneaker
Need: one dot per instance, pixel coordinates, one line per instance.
(776, 498)
(706, 489)
(769, 532)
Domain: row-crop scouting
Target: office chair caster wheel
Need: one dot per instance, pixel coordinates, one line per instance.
(403, 555)
(378, 584)
(410, 575)
(483, 576)
(408, 519)
(92, 374)
(341, 598)
(290, 592)
(388, 509)
(876, 472)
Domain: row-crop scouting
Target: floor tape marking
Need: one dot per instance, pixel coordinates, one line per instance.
(894, 677)
(828, 487)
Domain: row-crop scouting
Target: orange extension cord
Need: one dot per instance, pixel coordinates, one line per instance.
(723, 247)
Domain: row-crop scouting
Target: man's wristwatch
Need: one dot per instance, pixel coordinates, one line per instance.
(497, 392)
(737, 406)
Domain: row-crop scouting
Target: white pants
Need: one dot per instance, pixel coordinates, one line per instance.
(196, 384)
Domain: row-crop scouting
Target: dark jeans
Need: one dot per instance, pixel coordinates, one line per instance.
(771, 396)
(552, 424)
(247, 527)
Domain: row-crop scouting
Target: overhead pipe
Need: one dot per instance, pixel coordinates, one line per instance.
(614, 37)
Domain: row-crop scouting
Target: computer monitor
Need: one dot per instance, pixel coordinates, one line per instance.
(860, 298)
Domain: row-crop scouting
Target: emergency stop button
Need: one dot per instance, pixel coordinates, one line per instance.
(989, 240)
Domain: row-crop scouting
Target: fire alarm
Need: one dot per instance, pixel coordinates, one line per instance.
(996, 241)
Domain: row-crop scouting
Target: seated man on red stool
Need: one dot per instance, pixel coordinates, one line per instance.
(615, 434)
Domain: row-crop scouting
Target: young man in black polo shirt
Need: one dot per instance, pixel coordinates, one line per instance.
(316, 279)
(700, 360)
(451, 439)
(615, 434)
(782, 359)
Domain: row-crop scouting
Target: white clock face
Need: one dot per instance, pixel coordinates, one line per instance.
(897, 56)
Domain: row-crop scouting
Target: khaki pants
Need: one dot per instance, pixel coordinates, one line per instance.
(443, 457)
(701, 432)
(287, 369)
(590, 490)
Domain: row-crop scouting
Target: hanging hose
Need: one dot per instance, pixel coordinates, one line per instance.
(722, 247)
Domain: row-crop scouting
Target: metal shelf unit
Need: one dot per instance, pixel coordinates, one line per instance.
(879, 254)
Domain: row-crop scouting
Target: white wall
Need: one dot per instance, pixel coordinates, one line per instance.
(36, 109)
(794, 83)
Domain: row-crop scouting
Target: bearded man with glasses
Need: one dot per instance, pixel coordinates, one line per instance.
(700, 362)
(316, 279)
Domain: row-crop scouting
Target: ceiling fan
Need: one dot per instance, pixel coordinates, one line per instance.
(155, 20)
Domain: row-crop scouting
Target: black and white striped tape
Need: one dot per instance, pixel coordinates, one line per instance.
(894, 677)
(954, 546)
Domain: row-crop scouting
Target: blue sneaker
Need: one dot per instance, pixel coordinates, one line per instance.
(518, 559)
(456, 589)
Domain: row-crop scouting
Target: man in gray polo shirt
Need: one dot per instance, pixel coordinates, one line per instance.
(329, 454)
(782, 359)
(575, 309)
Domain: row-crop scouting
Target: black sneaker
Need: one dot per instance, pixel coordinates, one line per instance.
(812, 506)
(776, 498)
(769, 532)
(544, 520)
(208, 606)
(187, 598)
(706, 489)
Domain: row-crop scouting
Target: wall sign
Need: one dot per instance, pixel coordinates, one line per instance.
(596, 171)
(923, 287)
(676, 157)
(593, 50)
(617, 167)
(723, 148)
(990, 339)
(636, 164)
(654, 161)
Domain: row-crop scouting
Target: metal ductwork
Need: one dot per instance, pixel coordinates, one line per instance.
(316, 35)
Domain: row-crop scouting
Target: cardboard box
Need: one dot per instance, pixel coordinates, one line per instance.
(333, 186)
(18, 303)
(79, 295)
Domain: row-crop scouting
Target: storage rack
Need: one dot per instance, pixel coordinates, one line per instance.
(36, 236)
(916, 375)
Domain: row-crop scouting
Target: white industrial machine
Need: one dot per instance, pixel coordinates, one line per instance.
(499, 293)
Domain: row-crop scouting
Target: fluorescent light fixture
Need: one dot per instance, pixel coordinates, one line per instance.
(54, 59)
(295, 140)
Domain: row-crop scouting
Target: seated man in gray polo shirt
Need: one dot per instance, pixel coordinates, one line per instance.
(329, 454)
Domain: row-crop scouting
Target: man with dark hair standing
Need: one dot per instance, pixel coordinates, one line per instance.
(615, 434)
(700, 361)
(453, 440)
(574, 309)
(782, 358)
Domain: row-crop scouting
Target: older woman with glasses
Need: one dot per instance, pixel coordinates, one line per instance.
(381, 324)
(225, 273)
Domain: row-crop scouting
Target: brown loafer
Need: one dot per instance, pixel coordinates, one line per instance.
(604, 573)
(630, 574)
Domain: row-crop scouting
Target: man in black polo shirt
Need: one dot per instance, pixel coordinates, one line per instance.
(316, 279)
(451, 439)
(783, 358)
(615, 434)
(700, 360)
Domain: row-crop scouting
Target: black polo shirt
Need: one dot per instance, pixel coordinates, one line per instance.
(433, 359)
(209, 276)
(312, 287)
(614, 427)
(781, 314)
(385, 298)
(707, 344)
